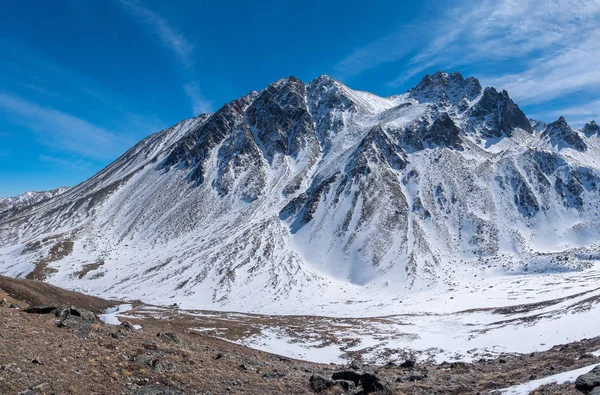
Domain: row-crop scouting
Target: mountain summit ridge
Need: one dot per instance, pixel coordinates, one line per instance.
(315, 189)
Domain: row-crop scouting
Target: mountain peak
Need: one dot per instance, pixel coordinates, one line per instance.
(560, 134)
(442, 86)
(591, 128)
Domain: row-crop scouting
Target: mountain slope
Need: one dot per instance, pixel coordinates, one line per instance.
(307, 191)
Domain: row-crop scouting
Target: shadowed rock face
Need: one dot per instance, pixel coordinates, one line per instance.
(559, 134)
(591, 129)
(280, 119)
(443, 133)
(499, 114)
(445, 87)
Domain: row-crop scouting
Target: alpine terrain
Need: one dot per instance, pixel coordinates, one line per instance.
(308, 189)
(29, 198)
(316, 199)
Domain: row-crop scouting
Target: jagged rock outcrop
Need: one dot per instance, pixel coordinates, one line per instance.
(560, 135)
(591, 129)
(497, 115)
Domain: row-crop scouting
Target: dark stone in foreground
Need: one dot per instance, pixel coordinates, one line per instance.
(409, 363)
(169, 337)
(319, 383)
(588, 381)
(68, 317)
(369, 382)
(347, 375)
(45, 309)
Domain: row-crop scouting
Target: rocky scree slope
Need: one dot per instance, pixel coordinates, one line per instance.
(317, 189)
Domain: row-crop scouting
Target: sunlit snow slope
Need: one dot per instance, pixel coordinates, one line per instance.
(304, 191)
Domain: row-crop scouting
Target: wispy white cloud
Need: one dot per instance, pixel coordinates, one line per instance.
(383, 50)
(62, 131)
(199, 103)
(171, 38)
(552, 47)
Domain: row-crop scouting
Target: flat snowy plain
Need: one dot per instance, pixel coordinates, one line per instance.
(492, 316)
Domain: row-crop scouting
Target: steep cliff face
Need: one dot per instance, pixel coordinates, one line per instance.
(310, 189)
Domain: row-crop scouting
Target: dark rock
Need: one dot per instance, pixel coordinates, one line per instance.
(128, 326)
(68, 317)
(45, 309)
(560, 134)
(163, 366)
(155, 389)
(273, 375)
(219, 356)
(347, 375)
(346, 385)
(150, 346)
(13, 306)
(587, 356)
(446, 87)
(319, 383)
(417, 377)
(443, 133)
(591, 128)
(502, 360)
(75, 318)
(409, 363)
(150, 359)
(168, 337)
(371, 383)
(588, 381)
(355, 365)
(498, 115)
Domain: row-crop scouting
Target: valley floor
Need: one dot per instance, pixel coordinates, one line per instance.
(42, 358)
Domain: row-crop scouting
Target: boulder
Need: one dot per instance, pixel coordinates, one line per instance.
(409, 363)
(588, 381)
(371, 383)
(168, 337)
(347, 375)
(44, 309)
(128, 326)
(319, 383)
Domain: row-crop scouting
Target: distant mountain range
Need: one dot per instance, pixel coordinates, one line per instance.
(29, 198)
(304, 190)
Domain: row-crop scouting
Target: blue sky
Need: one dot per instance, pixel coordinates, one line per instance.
(82, 81)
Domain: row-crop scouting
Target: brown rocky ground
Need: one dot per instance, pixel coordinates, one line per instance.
(38, 357)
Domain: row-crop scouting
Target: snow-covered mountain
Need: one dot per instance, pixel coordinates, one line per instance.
(29, 198)
(305, 191)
